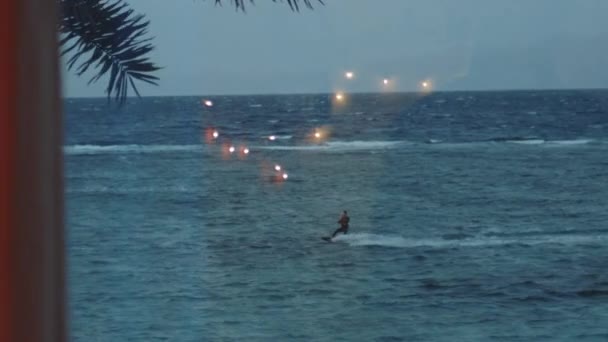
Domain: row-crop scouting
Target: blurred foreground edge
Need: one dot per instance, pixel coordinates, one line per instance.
(32, 269)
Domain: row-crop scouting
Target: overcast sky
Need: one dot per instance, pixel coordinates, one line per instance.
(457, 44)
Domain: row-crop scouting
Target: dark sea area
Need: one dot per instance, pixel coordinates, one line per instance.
(475, 216)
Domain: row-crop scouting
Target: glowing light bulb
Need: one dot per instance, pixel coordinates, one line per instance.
(246, 150)
(277, 167)
(208, 103)
(215, 134)
(231, 149)
(339, 96)
(317, 135)
(426, 84)
(272, 138)
(349, 74)
(285, 176)
(385, 81)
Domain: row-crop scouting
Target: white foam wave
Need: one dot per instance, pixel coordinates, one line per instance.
(364, 145)
(570, 142)
(367, 239)
(552, 142)
(450, 145)
(283, 137)
(339, 146)
(124, 149)
(527, 142)
(331, 146)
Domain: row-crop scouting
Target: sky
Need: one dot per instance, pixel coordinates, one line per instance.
(453, 45)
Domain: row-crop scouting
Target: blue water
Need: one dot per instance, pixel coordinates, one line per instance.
(474, 217)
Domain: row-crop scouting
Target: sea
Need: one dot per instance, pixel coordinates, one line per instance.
(475, 216)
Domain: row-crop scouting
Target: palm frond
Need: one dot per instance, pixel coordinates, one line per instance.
(108, 36)
(293, 4)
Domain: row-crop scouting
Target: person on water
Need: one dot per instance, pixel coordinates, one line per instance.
(344, 219)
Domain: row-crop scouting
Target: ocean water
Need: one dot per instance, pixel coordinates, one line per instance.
(474, 217)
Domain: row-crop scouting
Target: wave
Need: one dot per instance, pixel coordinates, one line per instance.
(571, 142)
(124, 149)
(280, 137)
(493, 232)
(527, 141)
(364, 145)
(339, 146)
(551, 142)
(395, 241)
(331, 146)
(539, 141)
(516, 141)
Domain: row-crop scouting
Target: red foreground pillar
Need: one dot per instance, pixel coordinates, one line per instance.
(32, 271)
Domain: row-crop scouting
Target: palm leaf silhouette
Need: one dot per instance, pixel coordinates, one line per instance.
(293, 4)
(107, 35)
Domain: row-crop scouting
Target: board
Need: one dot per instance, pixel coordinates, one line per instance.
(326, 238)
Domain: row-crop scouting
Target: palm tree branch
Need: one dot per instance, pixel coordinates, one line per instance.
(108, 33)
(293, 4)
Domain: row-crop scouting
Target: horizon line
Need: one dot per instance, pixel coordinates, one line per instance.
(415, 92)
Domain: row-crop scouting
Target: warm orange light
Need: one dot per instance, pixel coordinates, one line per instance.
(211, 135)
(319, 134)
(227, 151)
